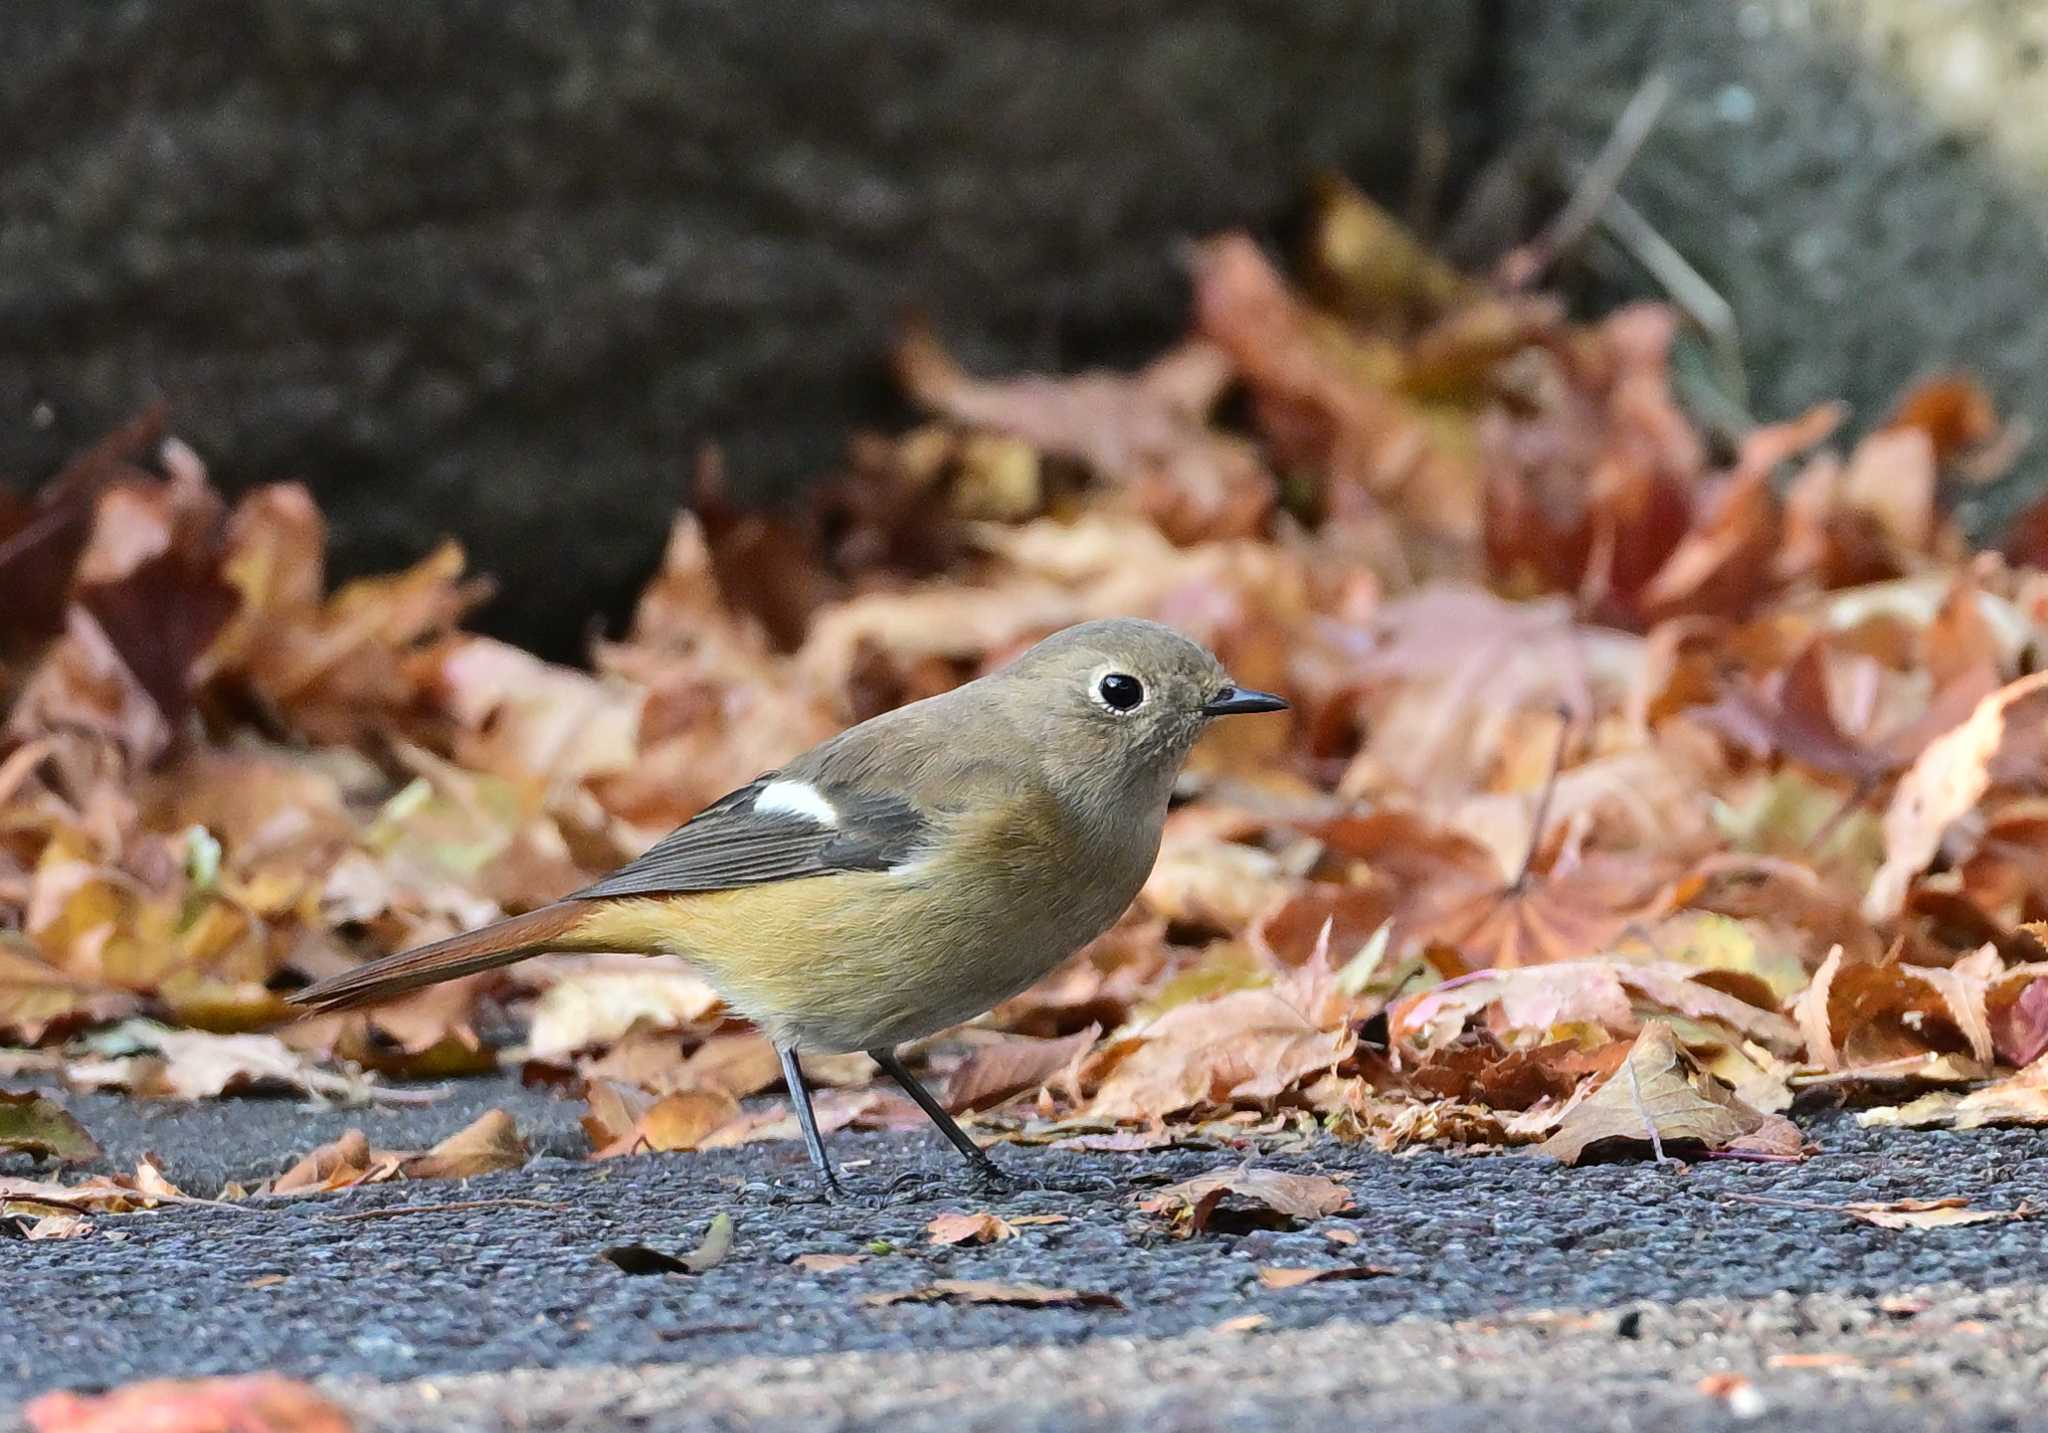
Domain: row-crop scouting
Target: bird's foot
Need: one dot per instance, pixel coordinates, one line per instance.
(821, 1193)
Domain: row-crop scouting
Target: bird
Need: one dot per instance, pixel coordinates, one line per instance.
(902, 877)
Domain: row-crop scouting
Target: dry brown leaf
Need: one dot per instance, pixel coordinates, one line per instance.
(1192, 1205)
(601, 1007)
(956, 1228)
(35, 1124)
(1014, 1065)
(623, 1121)
(491, 1143)
(37, 1000)
(1609, 992)
(1858, 1014)
(827, 1263)
(1244, 1046)
(56, 1226)
(254, 1403)
(1656, 1095)
(341, 1164)
(1947, 780)
(101, 1194)
(1933, 1213)
(1275, 1277)
(2018, 1099)
(989, 1291)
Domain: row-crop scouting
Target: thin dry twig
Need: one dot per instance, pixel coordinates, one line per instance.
(1600, 179)
(1686, 287)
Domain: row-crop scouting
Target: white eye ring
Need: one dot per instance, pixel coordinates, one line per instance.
(1118, 693)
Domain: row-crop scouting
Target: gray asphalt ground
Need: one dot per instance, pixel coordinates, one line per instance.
(1654, 1276)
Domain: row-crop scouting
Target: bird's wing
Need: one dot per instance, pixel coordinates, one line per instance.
(776, 828)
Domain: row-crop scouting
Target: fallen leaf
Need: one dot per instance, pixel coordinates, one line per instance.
(1932, 1213)
(708, 1255)
(1011, 1066)
(1944, 783)
(955, 1228)
(1245, 1045)
(1609, 992)
(154, 1060)
(601, 1007)
(37, 1000)
(57, 1226)
(146, 1188)
(1192, 1205)
(491, 1143)
(988, 1291)
(1276, 1277)
(1860, 1013)
(684, 1120)
(1657, 1094)
(255, 1403)
(341, 1164)
(35, 1124)
(827, 1263)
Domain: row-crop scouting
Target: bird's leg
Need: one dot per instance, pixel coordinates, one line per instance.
(807, 1120)
(986, 1171)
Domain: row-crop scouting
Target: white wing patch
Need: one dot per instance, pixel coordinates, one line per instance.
(796, 798)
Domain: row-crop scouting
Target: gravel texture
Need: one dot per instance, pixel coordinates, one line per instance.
(298, 1287)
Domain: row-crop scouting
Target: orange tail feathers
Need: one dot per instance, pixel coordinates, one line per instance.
(549, 928)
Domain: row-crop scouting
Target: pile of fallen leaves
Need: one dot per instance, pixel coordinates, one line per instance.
(1639, 778)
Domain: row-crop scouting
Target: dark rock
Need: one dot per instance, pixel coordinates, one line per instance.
(499, 267)
(1865, 182)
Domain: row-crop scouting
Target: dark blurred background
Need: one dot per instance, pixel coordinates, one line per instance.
(501, 267)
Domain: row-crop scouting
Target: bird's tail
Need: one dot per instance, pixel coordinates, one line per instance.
(552, 927)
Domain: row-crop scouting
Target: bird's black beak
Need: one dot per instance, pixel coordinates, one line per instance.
(1239, 701)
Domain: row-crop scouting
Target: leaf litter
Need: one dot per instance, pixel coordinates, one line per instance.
(1641, 775)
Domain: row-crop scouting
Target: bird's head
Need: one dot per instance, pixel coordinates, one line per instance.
(1124, 694)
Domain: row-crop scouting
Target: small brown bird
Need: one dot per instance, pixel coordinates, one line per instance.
(906, 875)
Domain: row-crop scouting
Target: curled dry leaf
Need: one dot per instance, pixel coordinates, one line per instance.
(957, 1228)
(489, 1143)
(1246, 1045)
(989, 1291)
(1857, 1014)
(35, 1124)
(708, 1255)
(827, 1263)
(1274, 1277)
(1933, 1213)
(1192, 1205)
(1014, 1065)
(2018, 1099)
(101, 1194)
(38, 1000)
(1946, 781)
(595, 1008)
(1609, 992)
(1658, 1095)
(55, 1226)
(195, 1065)
(340, 1164)
(621, 1120)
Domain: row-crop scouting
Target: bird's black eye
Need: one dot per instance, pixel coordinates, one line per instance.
(1119, 692)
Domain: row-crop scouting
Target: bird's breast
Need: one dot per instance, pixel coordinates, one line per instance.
(863, 959)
